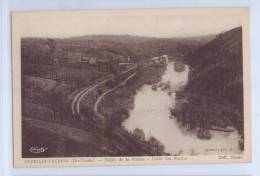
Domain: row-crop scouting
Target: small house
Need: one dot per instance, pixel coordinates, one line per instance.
(74, 57)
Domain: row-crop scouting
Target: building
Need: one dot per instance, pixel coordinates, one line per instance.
(74, 57)
(155, 60)
(90, 60)
(159, 60)
(165, 58)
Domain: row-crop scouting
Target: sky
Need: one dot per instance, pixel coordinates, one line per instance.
(153, 23)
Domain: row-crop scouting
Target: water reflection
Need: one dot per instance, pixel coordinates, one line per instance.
(151, 113)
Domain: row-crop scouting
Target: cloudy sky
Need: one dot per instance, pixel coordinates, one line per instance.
(154, 23)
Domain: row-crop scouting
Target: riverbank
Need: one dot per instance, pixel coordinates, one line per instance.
(200, 114)
(152, 114)
(116, 106)
(62, 141)
(213, 97)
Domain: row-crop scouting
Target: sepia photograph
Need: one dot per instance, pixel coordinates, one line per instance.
(147, 86)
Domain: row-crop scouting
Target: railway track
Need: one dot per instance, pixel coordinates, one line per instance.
(111, 90)
(75, 105)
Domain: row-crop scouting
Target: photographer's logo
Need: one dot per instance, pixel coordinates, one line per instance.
(37, 150)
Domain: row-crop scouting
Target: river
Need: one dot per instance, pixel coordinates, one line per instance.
(151, 113)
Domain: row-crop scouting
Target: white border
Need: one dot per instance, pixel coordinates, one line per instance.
(1, 88)
(5, 70)
(17, 25)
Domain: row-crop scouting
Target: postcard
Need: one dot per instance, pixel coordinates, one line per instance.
(131, 87)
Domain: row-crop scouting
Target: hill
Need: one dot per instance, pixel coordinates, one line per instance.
(215, 87)
(145, 47)
(109, 47)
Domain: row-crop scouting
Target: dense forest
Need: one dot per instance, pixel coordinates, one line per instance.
(214, 93)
